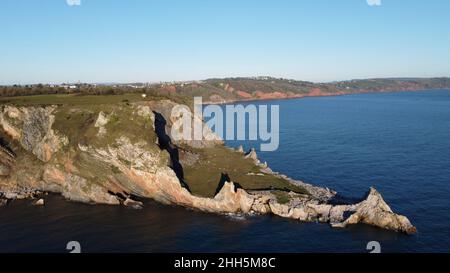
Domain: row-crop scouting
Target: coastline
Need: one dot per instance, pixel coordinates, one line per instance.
(116, 168)
(323, 95)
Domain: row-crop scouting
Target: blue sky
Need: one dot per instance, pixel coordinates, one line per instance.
(49, 41)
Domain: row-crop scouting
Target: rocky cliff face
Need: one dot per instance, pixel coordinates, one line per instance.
(109, 154)
(32, 128)
(7, 160)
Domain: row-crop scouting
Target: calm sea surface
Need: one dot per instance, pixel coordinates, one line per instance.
(397, 142)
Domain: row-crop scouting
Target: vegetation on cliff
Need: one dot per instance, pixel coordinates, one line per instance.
(217, 90)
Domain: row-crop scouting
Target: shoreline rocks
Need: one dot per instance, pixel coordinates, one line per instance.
(372, 211)
(133, 204)
(375, 211)
(39, 202)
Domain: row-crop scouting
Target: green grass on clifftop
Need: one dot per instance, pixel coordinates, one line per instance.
(83, 99)
(204, 176)
(71, 99)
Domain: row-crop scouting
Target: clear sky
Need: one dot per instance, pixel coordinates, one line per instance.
(50, 41)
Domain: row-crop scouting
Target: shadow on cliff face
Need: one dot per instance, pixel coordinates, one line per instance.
(224, 177)
(165, 143)
(4, 145)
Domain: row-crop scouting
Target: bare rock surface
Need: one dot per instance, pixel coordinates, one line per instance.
(252, 154)
(32, 128)
(100, 123)
(133, 204)
(39, 202)
(375, 211)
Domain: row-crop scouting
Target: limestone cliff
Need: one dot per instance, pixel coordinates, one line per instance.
(109, 154)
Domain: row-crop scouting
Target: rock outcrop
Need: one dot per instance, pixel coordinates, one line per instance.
(166, 119)
(39, 202)
(112, 160)
(252, 154)
(373, 211)
(100, 123)
(32, 128)
(76, 188)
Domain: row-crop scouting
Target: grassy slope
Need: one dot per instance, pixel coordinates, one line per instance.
(204, 177)
(71, 99)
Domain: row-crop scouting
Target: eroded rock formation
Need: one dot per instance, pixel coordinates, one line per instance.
(373, 211)
(32, 128)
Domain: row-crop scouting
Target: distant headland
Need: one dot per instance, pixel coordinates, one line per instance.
(233, 89)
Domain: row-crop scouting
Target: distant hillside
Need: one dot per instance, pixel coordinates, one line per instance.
(238, 89)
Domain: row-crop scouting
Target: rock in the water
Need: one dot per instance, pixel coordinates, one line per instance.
(3, 202)
(133, 204)
(375, 211)
(39, 202)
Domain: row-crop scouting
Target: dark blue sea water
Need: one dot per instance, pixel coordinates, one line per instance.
(397, 142)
